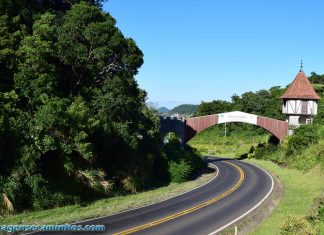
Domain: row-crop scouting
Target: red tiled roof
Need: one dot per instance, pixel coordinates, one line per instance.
(300, 88)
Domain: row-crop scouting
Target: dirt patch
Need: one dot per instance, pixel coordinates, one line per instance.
(260, 214)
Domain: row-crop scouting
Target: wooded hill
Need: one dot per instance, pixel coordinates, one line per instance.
(74, 125)
(184, 109)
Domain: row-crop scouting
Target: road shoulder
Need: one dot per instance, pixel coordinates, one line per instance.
(249, 222)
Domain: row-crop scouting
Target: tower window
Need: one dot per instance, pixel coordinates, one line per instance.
(304, 107)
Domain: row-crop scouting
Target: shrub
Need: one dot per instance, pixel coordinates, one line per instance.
(182, 163)
(179, 172)
(296, 226)
(316, 214)
(303, 137)
(195, 160)
(43, 199)
(130, 184)
(172, 138)
(262, 150)
(305, 163)
(13, 187)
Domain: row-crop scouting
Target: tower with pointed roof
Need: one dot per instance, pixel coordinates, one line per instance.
(300, 101)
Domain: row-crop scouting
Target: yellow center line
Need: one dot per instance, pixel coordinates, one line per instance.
(192, 209)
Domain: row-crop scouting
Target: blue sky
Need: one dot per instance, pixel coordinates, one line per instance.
(210, 49)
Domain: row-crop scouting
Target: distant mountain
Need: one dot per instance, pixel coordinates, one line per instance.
(184, 109)
(163, 110)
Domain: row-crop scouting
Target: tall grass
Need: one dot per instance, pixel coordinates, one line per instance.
(6, 205)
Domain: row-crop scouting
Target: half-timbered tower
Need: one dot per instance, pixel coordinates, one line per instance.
(300, 101)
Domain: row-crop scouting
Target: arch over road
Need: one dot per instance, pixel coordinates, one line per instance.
(189, 127)
(178, 126)
(197, 124)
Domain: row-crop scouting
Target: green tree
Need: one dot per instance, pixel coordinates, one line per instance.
(72, 109)
(316, 78)
(214, 107)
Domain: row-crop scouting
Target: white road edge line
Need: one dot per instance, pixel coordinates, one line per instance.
(253, 208)
(92, 219)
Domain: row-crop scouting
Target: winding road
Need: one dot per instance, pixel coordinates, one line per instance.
(236, 189)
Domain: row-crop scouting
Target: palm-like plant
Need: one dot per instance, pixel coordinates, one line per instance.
(6, 206)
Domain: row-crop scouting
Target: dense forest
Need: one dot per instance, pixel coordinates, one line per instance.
(262, 102)
(73, 122)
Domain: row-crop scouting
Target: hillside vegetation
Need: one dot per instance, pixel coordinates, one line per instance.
(263, 102)
(184, 109)
(74, 126)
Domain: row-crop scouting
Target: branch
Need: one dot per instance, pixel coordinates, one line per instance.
(90, 51)
(113, 66)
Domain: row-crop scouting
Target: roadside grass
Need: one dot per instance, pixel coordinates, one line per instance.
(105, 207)
(305, 160)
(212, 141)
(300, 191)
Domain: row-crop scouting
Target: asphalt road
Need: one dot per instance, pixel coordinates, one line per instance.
(237, 189)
